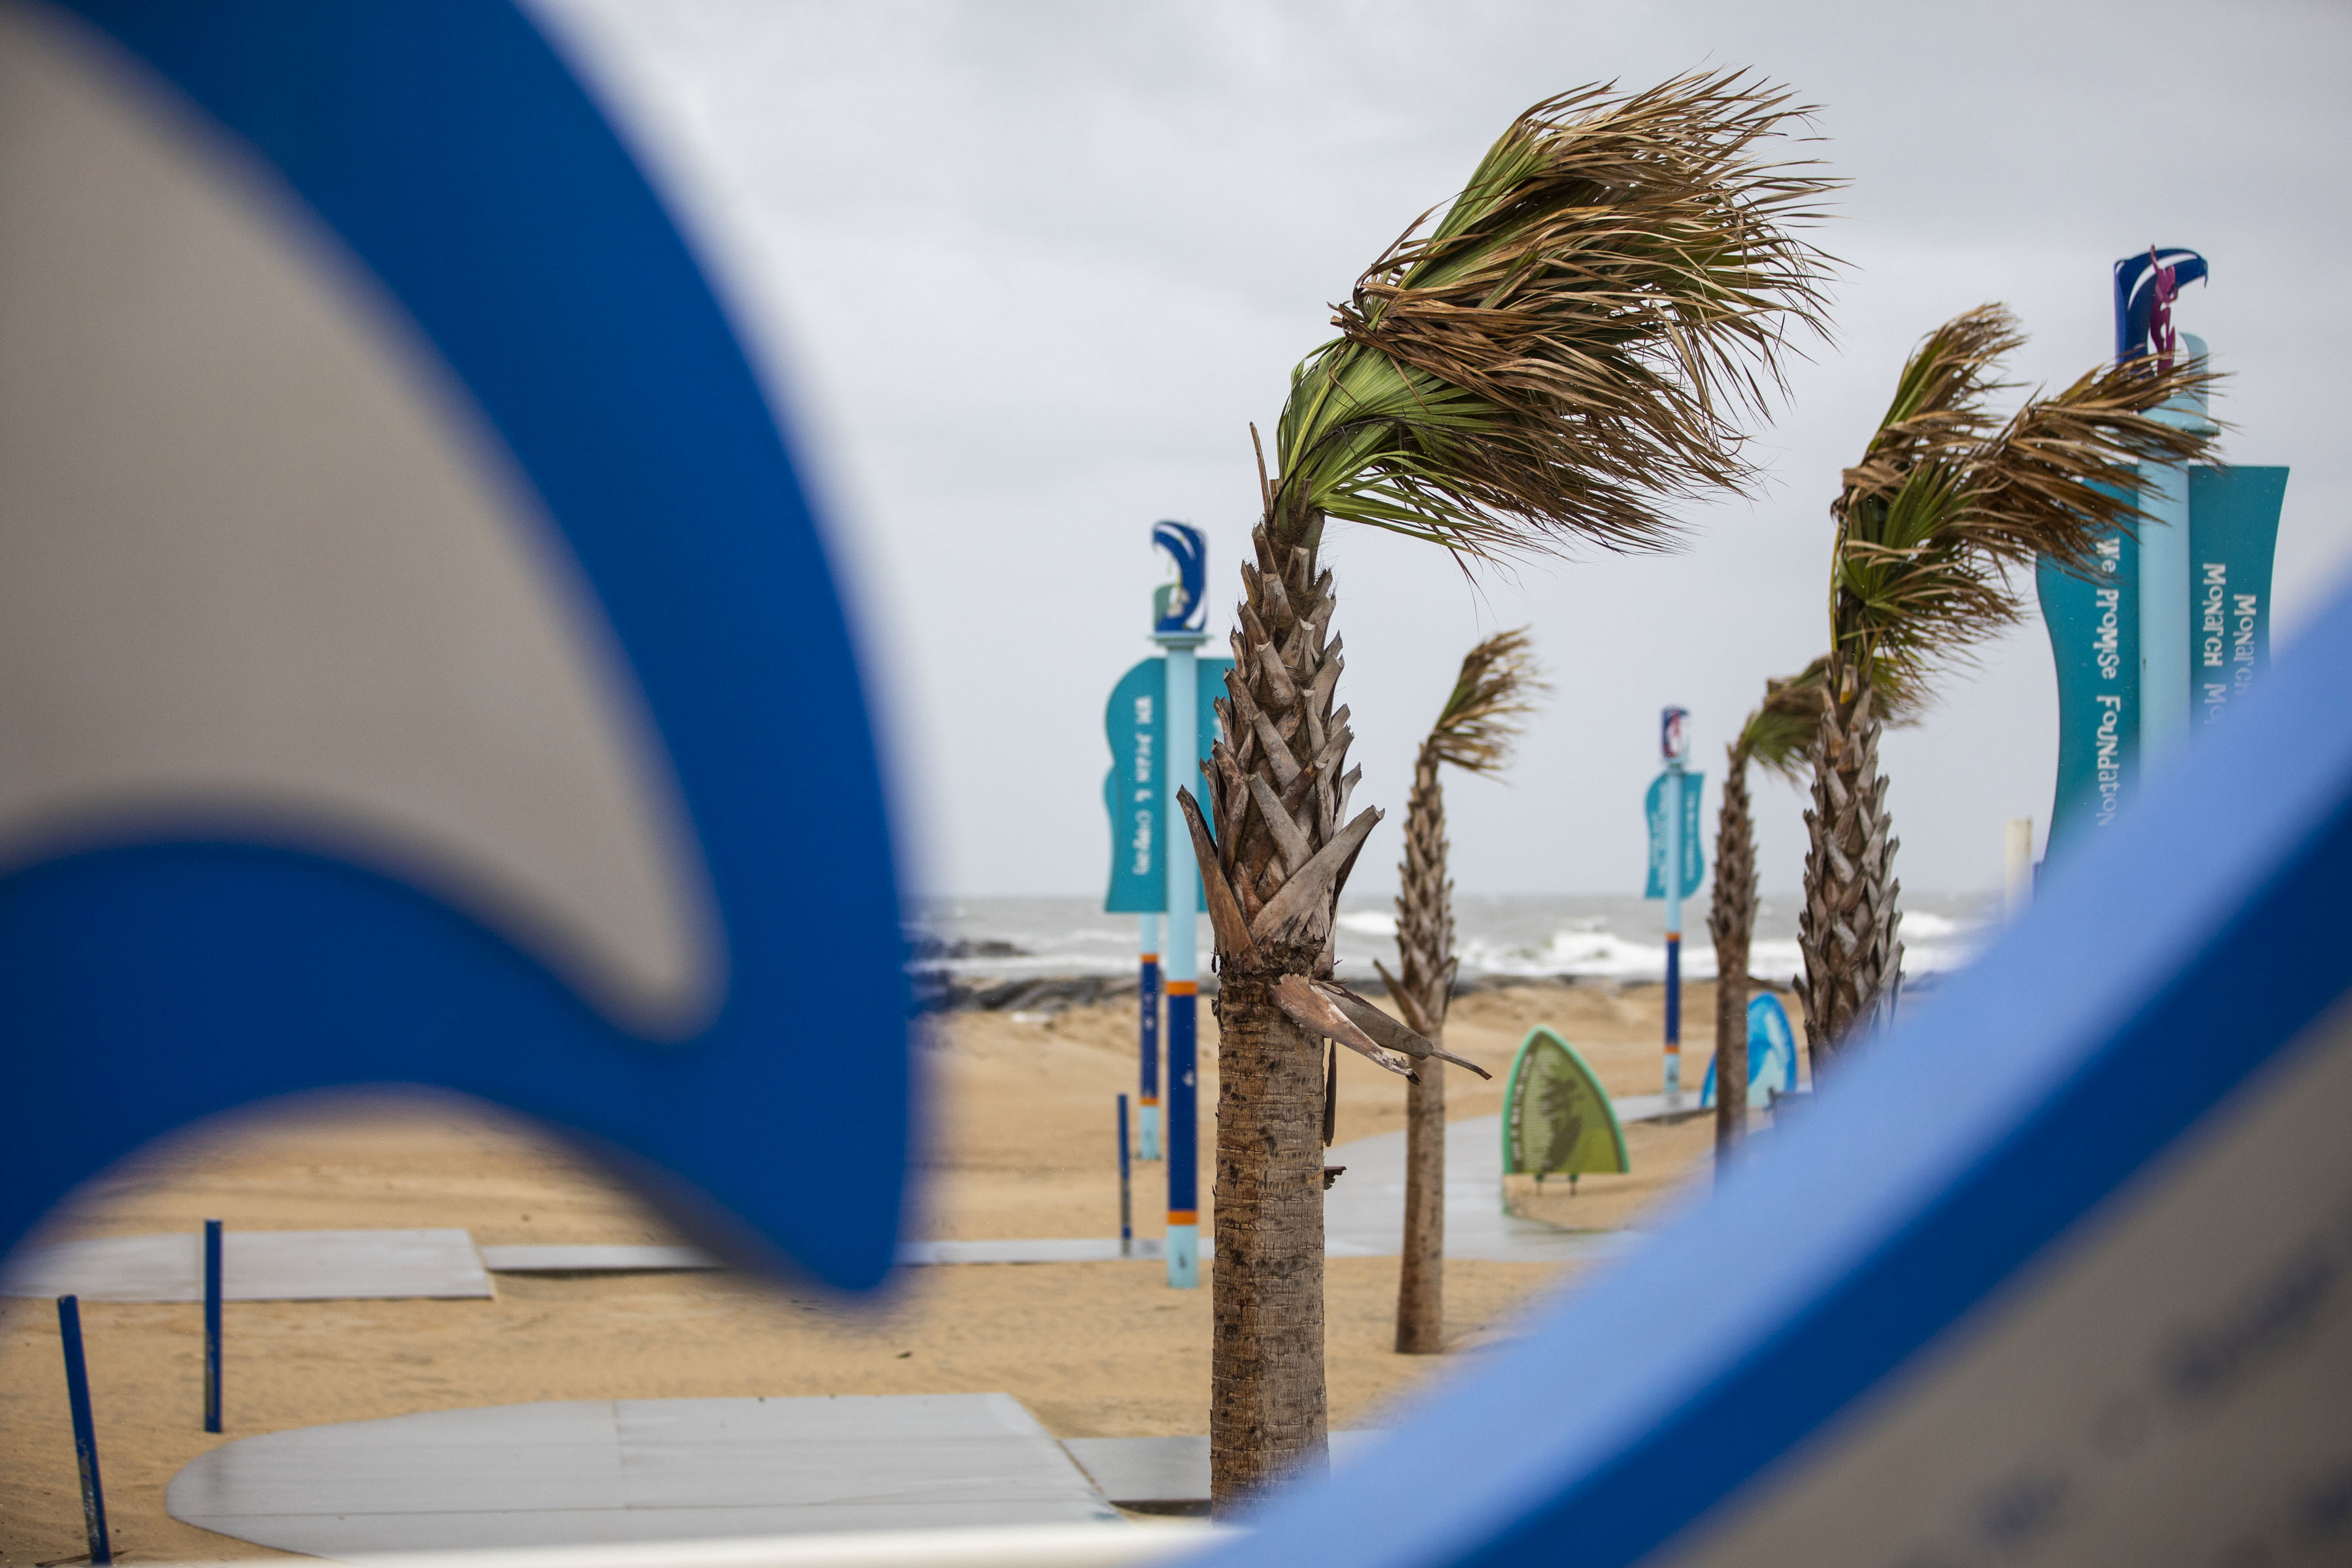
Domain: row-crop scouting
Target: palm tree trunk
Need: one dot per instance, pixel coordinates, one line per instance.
(1853, 960)
(1267, 1416)
(1425, 949)
(1731, 922)
(1283, 847)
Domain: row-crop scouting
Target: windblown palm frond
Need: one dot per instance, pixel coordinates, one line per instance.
(1948, 503)
(1781, 732)
(1946, 508)
(1568, 348)
(1481, 720)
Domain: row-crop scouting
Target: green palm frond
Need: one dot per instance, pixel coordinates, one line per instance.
(1483, 716)
(1948, 503)
(1781, 732)
(1567, 350)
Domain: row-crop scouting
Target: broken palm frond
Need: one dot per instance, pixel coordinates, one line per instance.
(1572, 344)
(1568, 350)
(1947, 509)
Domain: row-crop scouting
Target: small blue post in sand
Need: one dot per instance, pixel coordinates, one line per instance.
(85, 1430)
(1125, 1192)
(212, 1325)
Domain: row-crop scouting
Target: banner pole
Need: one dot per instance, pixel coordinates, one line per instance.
(1126, 1193)
(1147, 986)
(1183, 975)
(1178, 618)
(1674, 879)
(212, 1325)
(85, 1430)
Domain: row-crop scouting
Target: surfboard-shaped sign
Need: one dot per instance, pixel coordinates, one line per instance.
(1556, 1119)
(418, 661)
(1771, 1055)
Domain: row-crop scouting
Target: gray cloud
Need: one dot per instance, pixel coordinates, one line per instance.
(1025, 272)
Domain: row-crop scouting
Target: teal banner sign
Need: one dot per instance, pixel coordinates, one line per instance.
(1137, 792)
(1694, 860)
(2233, 517)
(2094, 625)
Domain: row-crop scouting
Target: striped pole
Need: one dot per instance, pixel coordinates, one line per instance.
(1184, 972)
(1675, 744)
(85, 1430)
(1125, 1192)
(212, 1325)
(1147, 1115)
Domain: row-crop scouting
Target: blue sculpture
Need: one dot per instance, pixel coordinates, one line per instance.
(585, 818)
(1180, 607)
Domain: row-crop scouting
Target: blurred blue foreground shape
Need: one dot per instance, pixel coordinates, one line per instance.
(418, 663)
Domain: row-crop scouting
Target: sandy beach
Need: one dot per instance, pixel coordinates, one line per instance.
(1019, 1112)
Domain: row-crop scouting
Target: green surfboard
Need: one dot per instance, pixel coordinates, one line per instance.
(1556, 1119)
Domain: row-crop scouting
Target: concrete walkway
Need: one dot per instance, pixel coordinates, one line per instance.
(255, 1265)
(589, 1471)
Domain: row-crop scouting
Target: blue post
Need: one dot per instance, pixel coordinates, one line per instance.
(1148, 1095)
(1177, 628)
(1126, 1196)
(85, 1430)
(212, 1325)
(1674, 741)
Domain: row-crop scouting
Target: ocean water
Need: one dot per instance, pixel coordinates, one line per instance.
(1578, 936)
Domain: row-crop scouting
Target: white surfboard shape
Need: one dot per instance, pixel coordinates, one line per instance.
(266, 575)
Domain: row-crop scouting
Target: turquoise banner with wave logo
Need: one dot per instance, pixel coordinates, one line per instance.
(1136, 792)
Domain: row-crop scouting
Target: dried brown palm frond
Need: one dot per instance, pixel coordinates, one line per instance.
(1935, 526)
(1570, 348)
(1949, 503)
(1475, 731)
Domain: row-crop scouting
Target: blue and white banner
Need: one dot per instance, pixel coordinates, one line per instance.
(1694, 856)
(2093, 622)
(1138, 793)
(2094, 626)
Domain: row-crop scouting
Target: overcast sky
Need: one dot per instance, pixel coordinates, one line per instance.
(1022, 274)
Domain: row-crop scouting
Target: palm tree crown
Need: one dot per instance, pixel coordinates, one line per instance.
(1946, 506)
(1571, 344)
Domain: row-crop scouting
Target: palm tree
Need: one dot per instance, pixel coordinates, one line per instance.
(1475, 731)
(1779, 734)
(1568, 347)
(1947, 503)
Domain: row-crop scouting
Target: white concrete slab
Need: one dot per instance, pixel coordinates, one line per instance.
(582, 1472)
(255, 1265)
(1363, 1213)
(1162, 1472)
(549, 1259)
(1033, 1249)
